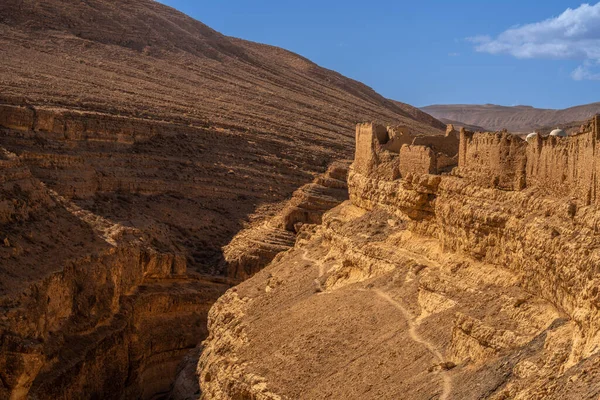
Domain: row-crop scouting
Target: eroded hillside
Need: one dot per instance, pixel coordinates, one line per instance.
(136, 142)
(481, 283)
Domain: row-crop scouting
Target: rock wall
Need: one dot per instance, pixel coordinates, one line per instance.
(88, 305)
(495, 282)
(254, 247)
(62, 124)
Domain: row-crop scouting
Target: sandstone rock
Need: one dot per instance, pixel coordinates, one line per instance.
(457, 286)
(88, 305)
(253, 248)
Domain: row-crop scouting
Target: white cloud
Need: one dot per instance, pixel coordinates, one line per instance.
(584, 72)
(574, 34)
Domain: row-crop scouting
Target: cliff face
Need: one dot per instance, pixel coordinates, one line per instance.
(202, 129)
(138, 143)
(88, 305)
(255, 246)
(423, 286)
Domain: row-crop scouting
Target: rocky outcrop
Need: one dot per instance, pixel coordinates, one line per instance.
(88, 305)
(423, 286)
(142, 142)
(254, 247)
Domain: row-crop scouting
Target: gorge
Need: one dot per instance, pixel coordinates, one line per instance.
(187, 215)
(134, 148)
(477, 283)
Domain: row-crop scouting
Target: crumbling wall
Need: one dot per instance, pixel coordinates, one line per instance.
(446, 163)
(417, 160)
(390, 153)
(566, 166)
(368, 137)
(556, 166)
(398, 137)
(447, 144)
(371, 157)
(563, 166)
(495, 160)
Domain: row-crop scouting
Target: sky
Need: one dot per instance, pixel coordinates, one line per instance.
(512, 52)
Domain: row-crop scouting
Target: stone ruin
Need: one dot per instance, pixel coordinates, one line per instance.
(557, 166)
(390, 153)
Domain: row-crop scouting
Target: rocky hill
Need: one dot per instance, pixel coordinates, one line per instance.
(481, 283)
(248, 114)
(516, 119)
(135, 143)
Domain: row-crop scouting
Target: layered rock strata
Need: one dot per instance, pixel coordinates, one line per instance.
(254, 247)
(425, 286)
(88, 305)
(143, 141)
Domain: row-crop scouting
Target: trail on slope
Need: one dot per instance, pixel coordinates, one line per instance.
(412, 331)
(319, 264)
(414, 335)
(311, 260)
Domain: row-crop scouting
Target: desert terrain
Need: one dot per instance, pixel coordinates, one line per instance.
(187, 215)
(514, 118)
(476, 284)
(136, 142)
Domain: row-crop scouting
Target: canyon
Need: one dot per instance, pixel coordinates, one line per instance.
(132, 151)
(189, 215)
(477, 280)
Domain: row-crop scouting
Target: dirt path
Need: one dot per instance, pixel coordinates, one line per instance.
(311, 260)
(319, 264)
(414, 335)
(412, 331)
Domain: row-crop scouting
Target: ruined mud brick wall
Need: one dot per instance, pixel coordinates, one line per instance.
(417, 160)
(445, 163)
(398, 137)
(447, 144)
(368, 137)
(371, 157)
(389, 153)
(495, 160)
(566, 166)
(555, 166)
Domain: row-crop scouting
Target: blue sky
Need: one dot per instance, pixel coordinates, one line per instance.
(508, 52)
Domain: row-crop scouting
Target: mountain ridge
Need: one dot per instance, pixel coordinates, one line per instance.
(519, 118)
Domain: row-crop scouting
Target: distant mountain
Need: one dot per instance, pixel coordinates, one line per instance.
(516, 118)
(420, 116)
(458, 125)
